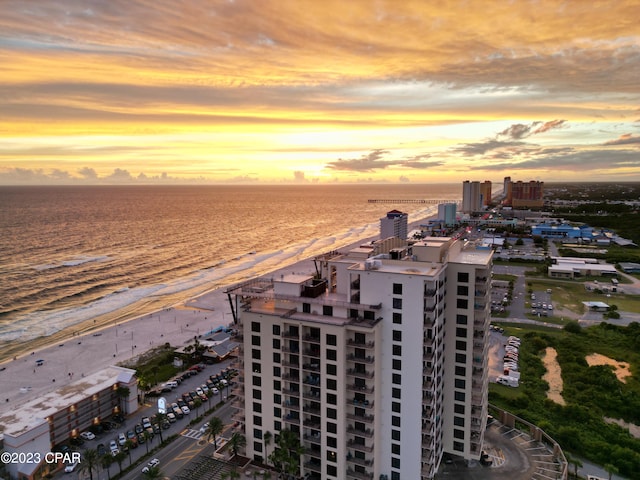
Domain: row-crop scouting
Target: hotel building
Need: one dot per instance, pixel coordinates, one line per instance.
(394, 224)
(377, 363)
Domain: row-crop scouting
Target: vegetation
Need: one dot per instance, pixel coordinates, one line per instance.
(591, 393)
(214, 430)
(286, 454)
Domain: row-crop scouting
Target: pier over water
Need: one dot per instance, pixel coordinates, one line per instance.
(408, 200)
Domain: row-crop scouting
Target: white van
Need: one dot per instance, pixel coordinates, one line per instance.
(172, 384)
(508, 381)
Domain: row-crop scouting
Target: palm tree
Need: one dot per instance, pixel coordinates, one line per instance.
(611, 469)
(214, 429)
(89, 462)
(575, 462)
(196, 403)
(122, 393)
(219, 386)
(286, 456)
(267, 437)
(128, 445)
(160, 419)
(236, 442)
(147, 438)
(106, 462)
(119, 457)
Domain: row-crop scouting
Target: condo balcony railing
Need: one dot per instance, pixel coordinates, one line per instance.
(364, 462)
(361, 418)
(312, 422)
(353, 372)
(238, 416)
(366, 432)
(428, 342)
(291, 419)
(360, 403)
(427, 384)
(290, 377)
(311, 339)
(291, 405)
(313, 438)
(290, 334)
(312, 409)
(313, 451)
(427, 439)
(291, 392)
(311, 394)
(311, 380)
(360, 388)
(312, 352)
(429, 321)
(360, 446)
(359, 475)
(311, 367)
(427, 426)
(354, 358)
(314, 466)
(429, 292)
(352, 342)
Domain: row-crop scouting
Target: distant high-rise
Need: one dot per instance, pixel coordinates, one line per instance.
(447, 213)
(394, 224)
(523, 194)
(471, 197)
(485, 192)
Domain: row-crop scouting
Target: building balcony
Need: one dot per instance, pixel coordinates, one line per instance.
(427, 426)
(358, 359)
(292, 419)
(291, 405)
(367, 432)
(238, 391)
(291, 378)
(361, 447)
(312, 380)
(311, 394)
(311, 339)
(238, 416)
(360, 388)
(360, 344)
(353, 372)
(427, 384)
(364, 462)
(360, 403)
(361, 418)
(312, 352)
(429, 292)
(290, 364)
(429, 321)
(313, 450)
(289, 349)
(311, 367)
(313, 409)
(359, 475)
(315, 466)
(290, 334)
(313, 438)
(291, 392)
(312, 422)
(428, 471)
(428, 440)
(428, 342)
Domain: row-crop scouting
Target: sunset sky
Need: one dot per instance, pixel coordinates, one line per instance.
(238, 91)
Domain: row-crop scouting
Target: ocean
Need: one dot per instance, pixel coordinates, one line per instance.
(70, 254)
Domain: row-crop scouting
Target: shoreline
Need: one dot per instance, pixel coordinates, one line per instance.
(148, 306)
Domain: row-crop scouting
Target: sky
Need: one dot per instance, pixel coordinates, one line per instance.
(307, 91)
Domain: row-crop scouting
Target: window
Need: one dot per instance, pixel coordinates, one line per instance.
(396, 364)
(327, 310)
(397, 335)
(332, 413)
(276, 344)
(332, 384)
(395, 448)
(277, 385)
(461, 371)
(277, 412)
(462, 303)
(395, 406)
(459, 396)
(257, 394)
(332, 399)
(257, 446)
(397, 318)
(255, 354)
(461, 319)
(458, 446)
(332, 369)
(395, 462)
(306, 308)
(397, 303)
(463, 277)
(277, 398)
(332, 427)
(332, 470)
(457, 408)
(257, 420)
(255, 340)
(397, 289)
(276, 357)
(395, 421)
(332, 354)
(461, 332)
(257, 433)
(257, 407)
(397, 350)
(395, 392)
(463, 290)
(276, 371)
(458, 421)
(460, 383)
(459, 434)
(395, 435)
(332, 442)
(255, 367)
(396, 379)
(461, 345)
(276, 329)
(257, 381)
(461, 358)
(255, 326)
(395, 475)
(332, 339)
(331, 456)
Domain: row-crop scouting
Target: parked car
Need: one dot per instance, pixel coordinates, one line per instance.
(122, 439)
(153, 463)
(113, 448)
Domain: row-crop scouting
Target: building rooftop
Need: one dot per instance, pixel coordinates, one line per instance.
(35, 410)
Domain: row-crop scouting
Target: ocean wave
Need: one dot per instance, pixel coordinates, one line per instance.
(79, 260)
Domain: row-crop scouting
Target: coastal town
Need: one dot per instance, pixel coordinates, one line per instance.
(464, 321)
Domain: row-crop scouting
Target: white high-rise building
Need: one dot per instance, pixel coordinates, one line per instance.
(394, 224)
(377, 364)
(471, 197)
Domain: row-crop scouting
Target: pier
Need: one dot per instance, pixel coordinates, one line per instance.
(408, 200)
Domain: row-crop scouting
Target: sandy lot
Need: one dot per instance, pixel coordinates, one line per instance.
(621, 369)
(553, 376)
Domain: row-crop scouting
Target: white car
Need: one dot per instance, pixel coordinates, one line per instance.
(153, 463)
(113, 447)
(185, 410)
(204, 388)
(215, 391)
(122, 439)
(88, 436)
(199, 391)
(71, 467)
(171, 417)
